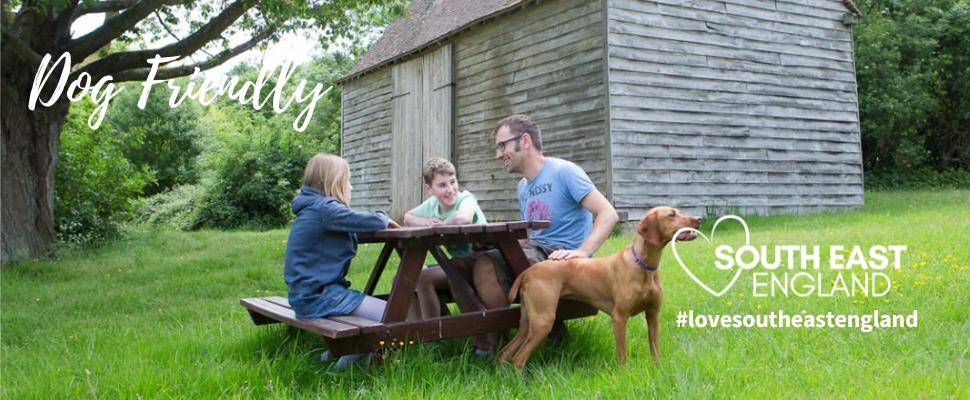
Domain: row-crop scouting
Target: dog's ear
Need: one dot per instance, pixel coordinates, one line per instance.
(650, 229)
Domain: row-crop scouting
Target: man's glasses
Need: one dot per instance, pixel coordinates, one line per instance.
(500, 146)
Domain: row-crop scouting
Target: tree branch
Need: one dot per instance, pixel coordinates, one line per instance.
(141, 74)
(190, 44)
(21, 48)
(109, 6)
(169, 30)
(86, 45)
(103, 7)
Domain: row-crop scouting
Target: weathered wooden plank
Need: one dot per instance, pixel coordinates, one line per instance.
(731, 120)
(634, 214)
(626, 127)
(593, 106)
(503, 72)
(357, 98)
(636, 139)
(831, 5)
(698, 54)
(691, 164)
(721, 17)
(691, 177)
(320, 326)
(733, 153)
(364, 90)
(734, 9)
(728, 87)
(688, 189)
(618, 63)
(406, 129)
(368, 112)
(634, 202)
(629, 20)
(588, 73)
(828, 20)
(740, 111)
(589, 89)
(558, 38)
(675, 93)
(529, 25)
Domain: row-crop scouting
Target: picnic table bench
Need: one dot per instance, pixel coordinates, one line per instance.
(348, 335)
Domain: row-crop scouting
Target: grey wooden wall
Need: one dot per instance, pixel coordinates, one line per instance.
(367, 139)
(736, 103)
(545, 61)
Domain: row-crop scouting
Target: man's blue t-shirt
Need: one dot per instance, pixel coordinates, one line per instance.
(556, 194)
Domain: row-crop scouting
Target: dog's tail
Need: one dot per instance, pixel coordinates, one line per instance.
(514, 292)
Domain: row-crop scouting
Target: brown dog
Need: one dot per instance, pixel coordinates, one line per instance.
(622, 285)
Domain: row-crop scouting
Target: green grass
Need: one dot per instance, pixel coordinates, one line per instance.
(157, 316)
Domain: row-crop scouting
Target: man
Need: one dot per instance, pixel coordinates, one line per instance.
(551, 189)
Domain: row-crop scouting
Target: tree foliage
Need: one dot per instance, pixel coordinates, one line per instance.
(162, 139)
(913, 65)
(198, 32)
(253, 160)
(96, 183)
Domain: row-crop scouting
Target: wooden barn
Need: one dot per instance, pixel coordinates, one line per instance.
(709, 105)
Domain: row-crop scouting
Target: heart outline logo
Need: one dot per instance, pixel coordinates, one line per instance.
(737, 274)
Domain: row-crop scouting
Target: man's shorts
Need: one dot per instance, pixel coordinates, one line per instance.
(534, 253)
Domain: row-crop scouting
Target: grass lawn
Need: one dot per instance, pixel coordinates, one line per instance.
(157, 315)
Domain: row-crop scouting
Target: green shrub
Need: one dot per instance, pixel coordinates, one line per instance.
(254, 169)
(924, 178)
(176, 208)
(95, 182)
(252, 160)
(912, 64)
(159, 137)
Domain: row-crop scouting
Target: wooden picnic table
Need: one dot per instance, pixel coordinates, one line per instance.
(347, 335)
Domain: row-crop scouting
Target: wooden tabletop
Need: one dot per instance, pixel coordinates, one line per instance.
(417, 232)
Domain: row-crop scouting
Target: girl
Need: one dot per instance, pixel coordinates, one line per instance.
(321, 244)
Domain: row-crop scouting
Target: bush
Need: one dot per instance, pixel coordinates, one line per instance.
(913, 63)
(253, 160)
(253, 184)
(176, 208)
(924, 178)
(95, 182)
(161, 138)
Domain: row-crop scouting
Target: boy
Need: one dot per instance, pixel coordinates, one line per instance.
(449, 206)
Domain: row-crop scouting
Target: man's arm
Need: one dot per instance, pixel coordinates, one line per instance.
(604, 218)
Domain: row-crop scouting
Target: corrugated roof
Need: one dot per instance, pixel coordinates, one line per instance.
(429, 21)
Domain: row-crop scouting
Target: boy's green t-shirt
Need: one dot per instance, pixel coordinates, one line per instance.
(431, 208)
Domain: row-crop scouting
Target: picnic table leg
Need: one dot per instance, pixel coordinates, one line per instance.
(375, 275)
(513, 254)
(465, 297)
(402, 290)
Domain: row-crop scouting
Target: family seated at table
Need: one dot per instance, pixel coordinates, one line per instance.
(322, 239)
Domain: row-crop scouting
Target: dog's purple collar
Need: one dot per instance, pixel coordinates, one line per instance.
(640, 262)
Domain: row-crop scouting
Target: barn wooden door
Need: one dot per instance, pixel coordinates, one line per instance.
(420, 123)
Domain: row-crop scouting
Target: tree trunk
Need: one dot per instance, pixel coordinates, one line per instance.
(29, 154)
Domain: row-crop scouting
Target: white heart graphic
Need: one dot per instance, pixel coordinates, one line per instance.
(747, 241)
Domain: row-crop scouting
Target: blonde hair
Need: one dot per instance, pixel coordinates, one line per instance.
(329, 174)
(436, 166)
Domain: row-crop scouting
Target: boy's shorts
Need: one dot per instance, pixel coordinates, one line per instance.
(534, 253)
(463, 263)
